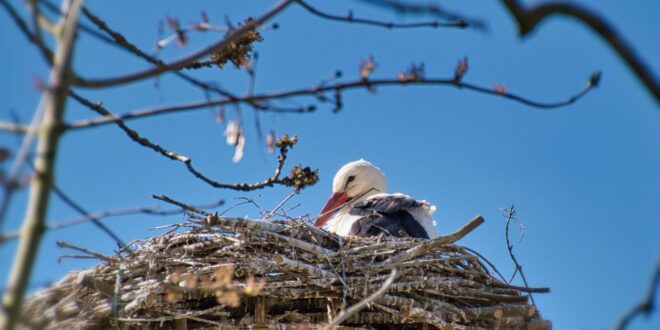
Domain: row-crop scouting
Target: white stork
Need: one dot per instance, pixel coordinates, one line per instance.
(363, 208)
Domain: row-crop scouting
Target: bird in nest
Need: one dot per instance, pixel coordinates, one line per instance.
(362, 207)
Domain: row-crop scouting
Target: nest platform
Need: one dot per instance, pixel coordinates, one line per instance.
(234, 273)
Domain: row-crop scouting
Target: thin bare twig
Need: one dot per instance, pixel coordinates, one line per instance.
(182, 62)
(433, 243)
(69, 201)
(96, 255)
(345, 314)
(647, 306)
(300, 177)
(426, 8)
(66, 199)
(510, 215)
(183, 206)
(120, 41)
(21, 158)
(390, 25)
(147, 209)
(319, 90)
(270, 214)
(46, 53)
(81, 26)
(529, 18)
(37, 19)
(492, 266)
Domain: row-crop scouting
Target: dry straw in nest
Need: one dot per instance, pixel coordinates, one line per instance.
(234, 273)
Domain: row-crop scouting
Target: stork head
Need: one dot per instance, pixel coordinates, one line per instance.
(353, 182)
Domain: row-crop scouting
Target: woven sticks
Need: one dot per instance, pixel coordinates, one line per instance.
(233, 273)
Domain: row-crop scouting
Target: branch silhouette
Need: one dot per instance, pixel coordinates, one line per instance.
(185, 60)
(529, 18)
(457, 23)
(646, 306)
(299, 178)
(338, 87)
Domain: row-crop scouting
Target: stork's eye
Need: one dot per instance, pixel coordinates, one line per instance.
(350, 179)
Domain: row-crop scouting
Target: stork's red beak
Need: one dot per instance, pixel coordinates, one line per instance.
(331, 206)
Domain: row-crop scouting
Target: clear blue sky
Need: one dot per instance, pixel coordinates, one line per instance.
(584, 178)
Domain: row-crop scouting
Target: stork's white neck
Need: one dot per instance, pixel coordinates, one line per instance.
(342, 222)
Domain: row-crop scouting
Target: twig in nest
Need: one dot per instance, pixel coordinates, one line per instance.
(273, 212)
(431, 244)
(492, 266)
(93, 254)
(345, 314)
(180, 204)
(296, 269)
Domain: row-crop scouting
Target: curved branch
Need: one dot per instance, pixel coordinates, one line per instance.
(338, 87)
(121, 42)
(299, 178)
(390, 25)
(528, 19)
(426, 8)
(645, 307)
(182, 62)
(95, 220)
(46, 53)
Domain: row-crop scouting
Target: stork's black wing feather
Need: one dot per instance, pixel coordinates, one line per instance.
(388, 215)
(384, 204)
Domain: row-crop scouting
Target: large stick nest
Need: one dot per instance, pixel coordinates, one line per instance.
(230, 273)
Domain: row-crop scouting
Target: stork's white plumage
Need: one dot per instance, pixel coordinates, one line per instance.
(362, 207)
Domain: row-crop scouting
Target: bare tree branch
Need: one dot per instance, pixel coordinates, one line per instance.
(529, 18)
(69, 201)
(46, 53)
(428, 245)
(647, 306)
(13, 127)
(120, 41)
(183, 206)
(93, 254)
(81, 26)
(390, 25)
(21, 158)
(95, 216)
(299, 178)
(182, 62)
(426, 8)
(10, 186)
(52, 107)
(319, 90)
